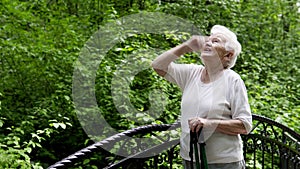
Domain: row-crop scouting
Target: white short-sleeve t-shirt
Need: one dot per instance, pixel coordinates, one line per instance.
(224, 98)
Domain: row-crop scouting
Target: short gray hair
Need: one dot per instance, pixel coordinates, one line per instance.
(231, 41)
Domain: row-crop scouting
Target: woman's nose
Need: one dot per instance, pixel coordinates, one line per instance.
(208, 43)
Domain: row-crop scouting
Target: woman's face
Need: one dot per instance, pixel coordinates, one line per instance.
(214, 49)
(214, 46)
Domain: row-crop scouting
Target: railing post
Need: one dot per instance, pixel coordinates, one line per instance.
(283, 153)
(171, 156)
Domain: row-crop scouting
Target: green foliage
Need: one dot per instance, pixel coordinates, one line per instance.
(41, 40)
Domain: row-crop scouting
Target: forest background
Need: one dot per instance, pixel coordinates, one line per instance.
(40, 41)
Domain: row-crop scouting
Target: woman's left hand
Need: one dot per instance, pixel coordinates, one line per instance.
(196, 123)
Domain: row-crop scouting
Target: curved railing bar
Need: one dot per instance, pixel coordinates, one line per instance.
(151, 128)
(94, 147)
(153, 150)
(269, 140)
(270, 121)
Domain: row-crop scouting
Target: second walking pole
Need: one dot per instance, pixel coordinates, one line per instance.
(195, 140)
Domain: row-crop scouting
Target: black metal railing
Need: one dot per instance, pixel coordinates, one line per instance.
(269, 145)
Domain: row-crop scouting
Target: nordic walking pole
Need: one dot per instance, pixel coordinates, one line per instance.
(194, 147)
(201, 143)
(191, 150)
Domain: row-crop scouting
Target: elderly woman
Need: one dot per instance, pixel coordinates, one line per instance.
(214, 97)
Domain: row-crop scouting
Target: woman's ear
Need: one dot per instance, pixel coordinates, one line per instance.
(227, 59)
(229, 55)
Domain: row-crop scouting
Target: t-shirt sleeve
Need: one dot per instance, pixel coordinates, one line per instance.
(179, 74)
(239, 104)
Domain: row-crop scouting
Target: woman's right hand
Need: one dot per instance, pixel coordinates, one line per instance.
(196, 43)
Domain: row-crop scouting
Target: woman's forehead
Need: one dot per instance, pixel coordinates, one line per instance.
(218, 35)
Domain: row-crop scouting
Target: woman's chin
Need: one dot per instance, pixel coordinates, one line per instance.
(207, 55)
